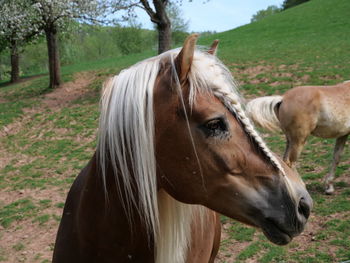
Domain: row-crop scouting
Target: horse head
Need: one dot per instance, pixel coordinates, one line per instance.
(208, 153)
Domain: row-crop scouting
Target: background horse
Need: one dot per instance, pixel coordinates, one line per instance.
(323, 111)
(175, 146)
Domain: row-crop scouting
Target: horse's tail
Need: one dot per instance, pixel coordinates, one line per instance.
(262, 111)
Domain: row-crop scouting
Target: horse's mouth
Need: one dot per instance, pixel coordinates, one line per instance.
(275, 233)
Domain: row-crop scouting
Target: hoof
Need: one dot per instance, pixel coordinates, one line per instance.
(329, 189)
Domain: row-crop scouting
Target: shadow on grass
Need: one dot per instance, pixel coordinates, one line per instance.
(22, 79)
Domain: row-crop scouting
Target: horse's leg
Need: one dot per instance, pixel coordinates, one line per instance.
(287, 152)
(338, 150)
(295, 144)
(297, 125)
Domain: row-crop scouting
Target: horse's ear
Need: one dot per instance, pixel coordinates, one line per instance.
(183, 61)
(213, 48)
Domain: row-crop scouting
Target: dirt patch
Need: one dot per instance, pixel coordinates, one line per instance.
(54, 194)
(21, 159)
(35, 238)
(304, 240)
(59, 98)
(28, 240)
(21, 80)
(230, 248)
(289, 67)
(282, 75)
(279, 83)
(15, 127)
(259, 81)
(69, 91)
(273, 75)
(256, 70)
(331, 77)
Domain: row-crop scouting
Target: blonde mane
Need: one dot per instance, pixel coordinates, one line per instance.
(126, 141)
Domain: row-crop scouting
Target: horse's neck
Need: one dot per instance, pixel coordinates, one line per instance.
(175, 221)
(104, 213)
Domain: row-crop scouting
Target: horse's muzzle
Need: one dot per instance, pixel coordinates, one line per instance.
(288, 221)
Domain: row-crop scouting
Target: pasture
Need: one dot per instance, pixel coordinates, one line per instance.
(47, 136)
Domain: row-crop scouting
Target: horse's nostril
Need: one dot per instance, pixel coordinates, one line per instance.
(304, 208)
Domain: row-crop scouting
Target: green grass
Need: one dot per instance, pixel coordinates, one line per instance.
(3, 256)
(249, 251)
(293, 36)
(110, 65)
(273, 254)
(10, 111)
(42, 219)
(26, 94)
(307, 44)
(240, 233)
(17, 210)
(59, 205)
(19, 246)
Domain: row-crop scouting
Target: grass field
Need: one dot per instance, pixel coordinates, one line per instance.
(47, 136)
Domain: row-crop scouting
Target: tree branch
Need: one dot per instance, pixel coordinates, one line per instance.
(150, 12)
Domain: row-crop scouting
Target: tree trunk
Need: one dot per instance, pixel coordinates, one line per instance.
(161, 19)
(14, 62)
(54, 59)
(164, 37)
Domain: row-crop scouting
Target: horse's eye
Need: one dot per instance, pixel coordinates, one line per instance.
(214, 127)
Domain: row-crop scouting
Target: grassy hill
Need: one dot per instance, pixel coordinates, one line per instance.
(47, 136)
(307, 44)
(317, 32)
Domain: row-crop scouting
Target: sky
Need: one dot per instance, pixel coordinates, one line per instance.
(215, 15)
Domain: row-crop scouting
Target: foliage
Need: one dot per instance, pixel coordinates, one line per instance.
(18, 26)
(83, 43)
(53, 17)
(178, 23)
(270, 10)
(290, 3)
(18, 22)
(179, 26)
(130, 40)
(56, 12)
(208, 33)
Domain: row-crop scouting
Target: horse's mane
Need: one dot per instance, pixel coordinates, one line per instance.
(126, 142)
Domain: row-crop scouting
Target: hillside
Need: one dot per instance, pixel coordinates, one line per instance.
(307, 44)
(317, 30)
(46, 136)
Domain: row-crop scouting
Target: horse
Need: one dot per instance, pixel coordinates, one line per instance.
(175, 149)
(322, 111)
